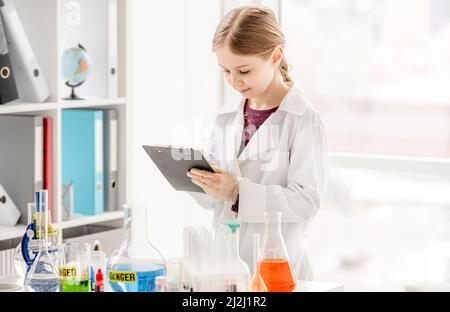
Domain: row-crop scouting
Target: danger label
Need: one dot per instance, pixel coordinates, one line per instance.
(67, 272)
(122, 276)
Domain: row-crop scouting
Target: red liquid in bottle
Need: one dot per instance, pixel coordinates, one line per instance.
(277, 275)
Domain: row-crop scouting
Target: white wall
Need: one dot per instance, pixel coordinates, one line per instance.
(175, 91)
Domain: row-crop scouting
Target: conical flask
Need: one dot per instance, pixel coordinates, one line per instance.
(257, 283)
(133, 267)
(43, 273)
(273, 263)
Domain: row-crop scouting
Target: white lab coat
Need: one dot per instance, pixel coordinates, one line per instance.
(284, 167)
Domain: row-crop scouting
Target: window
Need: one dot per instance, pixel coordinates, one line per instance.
(377, 71)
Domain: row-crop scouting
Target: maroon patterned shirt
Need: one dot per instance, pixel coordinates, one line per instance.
(253, 119)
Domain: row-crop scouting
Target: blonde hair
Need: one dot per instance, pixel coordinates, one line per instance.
(251, 31)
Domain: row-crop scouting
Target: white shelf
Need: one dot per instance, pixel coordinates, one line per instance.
(10, 232)
(85, 220)
(88, 103)
(20, 107)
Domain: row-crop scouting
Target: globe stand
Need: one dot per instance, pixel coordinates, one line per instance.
(73, 96)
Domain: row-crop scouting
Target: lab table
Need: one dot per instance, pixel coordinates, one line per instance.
(15, 283)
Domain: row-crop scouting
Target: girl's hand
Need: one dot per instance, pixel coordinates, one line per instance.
(222, 185)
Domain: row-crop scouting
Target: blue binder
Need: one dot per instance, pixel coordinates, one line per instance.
(82, 158)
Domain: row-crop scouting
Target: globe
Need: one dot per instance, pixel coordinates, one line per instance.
(76, 66)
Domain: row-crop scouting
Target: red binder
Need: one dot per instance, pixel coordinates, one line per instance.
(48, 163)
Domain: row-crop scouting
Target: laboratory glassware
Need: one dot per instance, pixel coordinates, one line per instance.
(99, 281)
(74, 269)
(43, 274)
(133, 267)
(28, 248)
(237, 273)
(257, 283)
(273, 264)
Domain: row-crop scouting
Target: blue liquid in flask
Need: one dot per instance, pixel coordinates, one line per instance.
(146, 274)
(43, 283)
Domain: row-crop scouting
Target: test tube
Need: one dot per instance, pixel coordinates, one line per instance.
(161, 283)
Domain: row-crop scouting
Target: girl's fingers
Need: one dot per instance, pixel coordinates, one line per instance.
(204, 176)
(202, 173)
(199, 183)
(207, 182)
(191, 174)
(197, 177)
(205, 187)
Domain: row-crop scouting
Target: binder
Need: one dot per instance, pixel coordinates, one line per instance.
(110, 131)
(8, 88)
(39, 153)
(31, 83)
(113, 49)
(48, 163)
(21, 157)
(82, 159)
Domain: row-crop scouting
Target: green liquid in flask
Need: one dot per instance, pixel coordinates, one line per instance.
(76, 286)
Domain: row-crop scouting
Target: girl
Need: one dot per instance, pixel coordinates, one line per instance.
(269, 148)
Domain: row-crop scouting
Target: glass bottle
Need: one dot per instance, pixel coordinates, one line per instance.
(257, 283)
(132, 267)
(43, 274)
(273, 263)
(236, 270)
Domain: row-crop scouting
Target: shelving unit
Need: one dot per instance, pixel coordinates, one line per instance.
(47, 38)
(10, 232)
(21, 108)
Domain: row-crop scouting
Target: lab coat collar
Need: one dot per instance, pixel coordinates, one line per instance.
(294, 102)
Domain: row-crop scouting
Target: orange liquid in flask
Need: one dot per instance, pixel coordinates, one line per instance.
(277, 275)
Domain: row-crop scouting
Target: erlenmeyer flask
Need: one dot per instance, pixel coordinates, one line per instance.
(43, 274)
(132, 267)
(257, 283)
(273, 263)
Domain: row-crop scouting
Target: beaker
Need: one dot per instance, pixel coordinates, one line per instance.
(74, 269)
(273, 263)
(43, 274)
(133, 267)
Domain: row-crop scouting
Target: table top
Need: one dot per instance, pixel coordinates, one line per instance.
(14, 283)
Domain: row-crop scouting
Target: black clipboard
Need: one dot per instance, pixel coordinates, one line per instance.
(175, 162)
